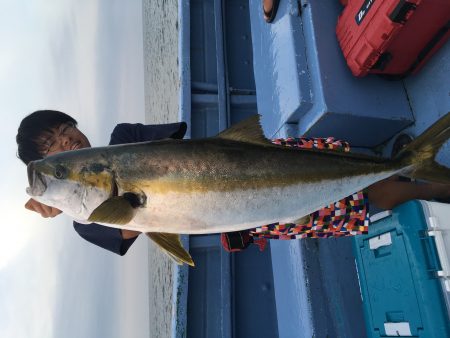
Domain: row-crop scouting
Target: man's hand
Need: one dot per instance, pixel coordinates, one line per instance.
(127, 234)
(42, 209)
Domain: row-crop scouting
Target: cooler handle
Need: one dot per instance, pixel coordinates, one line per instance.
(432, 254)
(442, 253)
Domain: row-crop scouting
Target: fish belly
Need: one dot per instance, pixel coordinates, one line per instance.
(226, 211)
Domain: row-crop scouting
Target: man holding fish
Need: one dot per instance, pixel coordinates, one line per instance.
(235, 181)
(48, 132)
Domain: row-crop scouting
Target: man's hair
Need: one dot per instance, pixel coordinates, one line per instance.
(32, 127)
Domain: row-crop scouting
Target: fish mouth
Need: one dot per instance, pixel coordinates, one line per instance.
(36, 181)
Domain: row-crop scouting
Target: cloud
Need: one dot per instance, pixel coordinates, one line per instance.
(59, 285)
(27, 289)
(59, 54)
(87, 296)
(17, 231)
(96, 64)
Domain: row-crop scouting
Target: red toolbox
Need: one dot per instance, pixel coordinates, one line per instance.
(394, 37)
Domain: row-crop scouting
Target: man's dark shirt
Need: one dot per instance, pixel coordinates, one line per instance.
(111, 238)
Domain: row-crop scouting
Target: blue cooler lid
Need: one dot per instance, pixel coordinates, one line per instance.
(398, 266)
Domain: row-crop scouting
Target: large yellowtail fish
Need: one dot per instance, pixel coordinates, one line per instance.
(236, 180)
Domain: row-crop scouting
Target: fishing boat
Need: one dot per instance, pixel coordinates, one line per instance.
(232, 63)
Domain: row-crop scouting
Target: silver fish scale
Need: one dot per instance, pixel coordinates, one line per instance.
(215, 212)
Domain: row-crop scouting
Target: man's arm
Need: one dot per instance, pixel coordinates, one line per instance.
(130, 133)
(111, 239)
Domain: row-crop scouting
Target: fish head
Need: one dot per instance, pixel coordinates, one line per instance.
(75, 182)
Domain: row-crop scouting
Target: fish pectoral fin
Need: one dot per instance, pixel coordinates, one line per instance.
(115, 210)
(171, 245)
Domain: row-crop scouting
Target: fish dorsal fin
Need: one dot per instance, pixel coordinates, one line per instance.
(248, 130)
(171, 245)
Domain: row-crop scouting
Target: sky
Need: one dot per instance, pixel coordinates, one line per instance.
(83, 57)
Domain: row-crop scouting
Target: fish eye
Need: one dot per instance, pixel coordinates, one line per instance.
(60, 172)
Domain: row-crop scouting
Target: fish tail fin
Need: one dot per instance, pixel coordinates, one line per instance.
(419, 155)
(171, 245)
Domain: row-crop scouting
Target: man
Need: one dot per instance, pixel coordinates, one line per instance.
(47, 132)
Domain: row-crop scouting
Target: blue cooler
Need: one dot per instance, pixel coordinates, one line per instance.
(404, 273)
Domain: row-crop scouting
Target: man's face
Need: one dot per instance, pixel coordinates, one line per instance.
(62, 138)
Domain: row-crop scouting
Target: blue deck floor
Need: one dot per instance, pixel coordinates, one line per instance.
(327, 266)
(303, 86)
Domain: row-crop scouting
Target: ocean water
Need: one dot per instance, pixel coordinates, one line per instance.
(161, 86)
(161, 83)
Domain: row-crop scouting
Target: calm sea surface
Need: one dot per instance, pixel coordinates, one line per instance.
(160, 20)
(160, 30)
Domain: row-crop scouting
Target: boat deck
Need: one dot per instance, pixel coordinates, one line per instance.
(233, 64)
